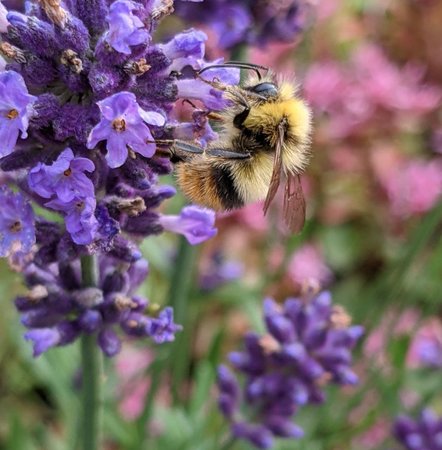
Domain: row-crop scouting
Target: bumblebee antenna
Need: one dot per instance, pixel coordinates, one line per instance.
(238, 64)
(243, 63)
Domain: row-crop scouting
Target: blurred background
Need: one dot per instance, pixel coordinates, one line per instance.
(372, 73)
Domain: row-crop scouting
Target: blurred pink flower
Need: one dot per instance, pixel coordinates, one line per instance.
(436, 140)
(250, 215)
(324, 84)
(392, 325)
(413, 187)
(374, 436)
(391, 87)
(307, 265)
(131, 364)
(354, 93)
(325, 9)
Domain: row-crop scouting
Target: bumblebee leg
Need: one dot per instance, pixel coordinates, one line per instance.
(239, 119)
(226, 153)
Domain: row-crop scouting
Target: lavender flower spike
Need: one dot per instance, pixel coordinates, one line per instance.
(123, 125)
(15, 110)
(195, 223)
(17, 230)
(282, 369)
(422, 434)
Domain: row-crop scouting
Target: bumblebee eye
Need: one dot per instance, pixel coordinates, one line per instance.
(265, 89)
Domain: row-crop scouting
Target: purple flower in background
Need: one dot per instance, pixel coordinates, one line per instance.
(123, 125)
(17, 232)
(253, 21)
(125, 28)
(306, 339)
(163, 328)
(196, 224)
(422, 434)
(426, 346)
(15, 110)
(217, 271)
(231, 27)
(64, 178)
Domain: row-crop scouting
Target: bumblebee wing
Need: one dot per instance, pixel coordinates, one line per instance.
(276, 174)
(294, 204)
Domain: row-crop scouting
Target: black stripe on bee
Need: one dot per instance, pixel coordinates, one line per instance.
(225, 188)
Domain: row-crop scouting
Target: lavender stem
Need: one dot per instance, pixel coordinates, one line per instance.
(91, 361)
(181, 284)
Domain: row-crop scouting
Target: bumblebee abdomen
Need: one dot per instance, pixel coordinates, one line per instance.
(209, 185)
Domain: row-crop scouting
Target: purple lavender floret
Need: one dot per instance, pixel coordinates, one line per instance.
(163, 329)
(308, 342)
(89, 91)
(422, 434)
(194, 222)
(15, 110)
(17, 232)
(65, 178)
(123, 124)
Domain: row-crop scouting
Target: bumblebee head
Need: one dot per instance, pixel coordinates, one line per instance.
(265, 89)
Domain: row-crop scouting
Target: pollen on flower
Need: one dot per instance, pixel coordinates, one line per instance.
(37, 293)
(269, 344)
(16, 227)
(137, 67)
(67, 172)
(12, 114)
(339, 317)
(70, 58)
(119, 125)
(123, 303)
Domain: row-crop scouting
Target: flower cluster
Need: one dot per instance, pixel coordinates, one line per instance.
(422, 434)
(84, 95)
(253, 22)
(307, 344)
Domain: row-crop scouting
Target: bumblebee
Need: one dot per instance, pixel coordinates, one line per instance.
(264, 137)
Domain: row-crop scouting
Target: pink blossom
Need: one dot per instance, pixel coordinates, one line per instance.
(414, 187)
(251, 216)
(324, 84)
(367, 87)
(307, 265)
(394, 325)
(391, 87)
(131, 365)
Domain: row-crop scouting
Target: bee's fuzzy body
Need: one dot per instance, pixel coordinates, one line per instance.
(225, 184)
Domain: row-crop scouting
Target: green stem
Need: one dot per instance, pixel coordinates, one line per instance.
(229, 444)
(142, 424)
(91, 361)
(180, 288)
